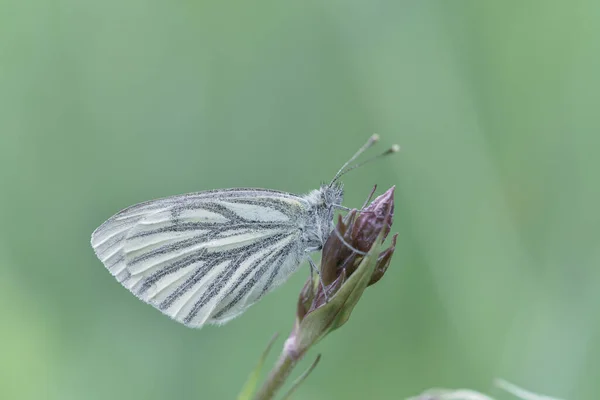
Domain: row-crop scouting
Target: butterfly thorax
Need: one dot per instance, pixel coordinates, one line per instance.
(322, 204)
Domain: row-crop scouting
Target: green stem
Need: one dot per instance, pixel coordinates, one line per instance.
(278, 375)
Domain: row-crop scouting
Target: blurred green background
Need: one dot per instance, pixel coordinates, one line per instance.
(495, 104)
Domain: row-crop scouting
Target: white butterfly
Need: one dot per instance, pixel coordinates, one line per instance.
(204, 258)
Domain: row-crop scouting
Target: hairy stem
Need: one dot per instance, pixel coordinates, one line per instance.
(284, 366)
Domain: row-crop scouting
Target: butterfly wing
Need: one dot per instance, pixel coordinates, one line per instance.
(204, 257)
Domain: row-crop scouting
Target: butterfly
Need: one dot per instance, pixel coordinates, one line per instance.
(204, 258)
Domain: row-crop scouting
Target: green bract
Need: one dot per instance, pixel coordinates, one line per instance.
(352, 260)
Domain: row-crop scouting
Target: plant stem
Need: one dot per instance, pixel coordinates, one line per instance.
(277, 376)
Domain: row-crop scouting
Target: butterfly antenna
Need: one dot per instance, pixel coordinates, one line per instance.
(372, 140)
(394, 149)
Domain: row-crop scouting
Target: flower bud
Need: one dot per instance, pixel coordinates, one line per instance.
(352, 260)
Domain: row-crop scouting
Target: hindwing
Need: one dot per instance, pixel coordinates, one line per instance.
(204, 257)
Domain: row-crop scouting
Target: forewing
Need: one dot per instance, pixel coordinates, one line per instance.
(203, 257)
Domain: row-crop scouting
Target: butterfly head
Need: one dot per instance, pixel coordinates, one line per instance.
(331, 198)
(322, 205)
(325, 200)
(332, 195)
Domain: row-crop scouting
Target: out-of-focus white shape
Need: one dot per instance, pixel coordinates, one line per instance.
(520, 392)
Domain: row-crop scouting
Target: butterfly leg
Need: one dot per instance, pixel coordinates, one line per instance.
(339, 235)
(315, 269)
(367, 201)
(341, 207)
